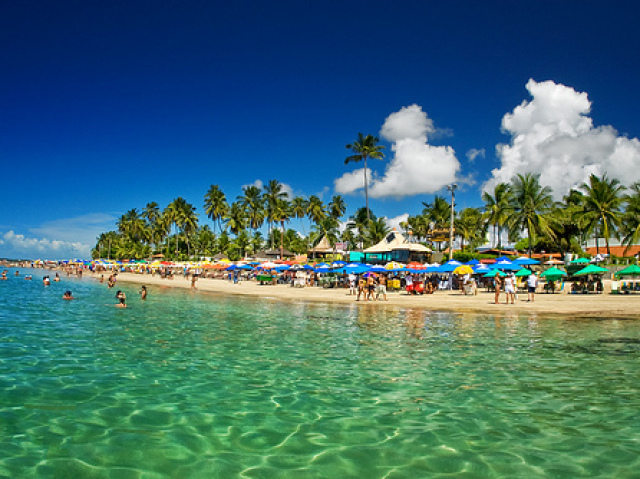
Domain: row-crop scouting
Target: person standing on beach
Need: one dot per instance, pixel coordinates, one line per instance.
(382, 287)
(497, 283)
(532, 282)
(352, 284)
(194, 278)
(510, 289)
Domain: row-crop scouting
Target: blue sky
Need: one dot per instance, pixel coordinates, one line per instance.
(105, 106)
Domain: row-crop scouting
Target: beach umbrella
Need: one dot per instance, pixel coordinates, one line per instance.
(631, 270)
(481, 268)
(393, 265)
(416, 266)
(580, 261)
(379, 269)
(449, 266)
(322, 268)
(503, 258)
(553, 261)
(553, 274)
(338, 264)
(472, 262)
(493, 272)
(591, 269)
(355, 268)
(506, 265)
(524, 261)
(463, 269)
(523, 272)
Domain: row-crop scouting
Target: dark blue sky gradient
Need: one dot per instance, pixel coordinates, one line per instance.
(105, 106)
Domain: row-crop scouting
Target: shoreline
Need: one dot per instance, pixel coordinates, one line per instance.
(567, 306)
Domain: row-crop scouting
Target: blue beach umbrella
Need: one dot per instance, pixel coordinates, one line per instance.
(355, 268)
(524, 261)
(322, 268)
(472, 262)
(503, 258)
(449, 266)
(506, 266)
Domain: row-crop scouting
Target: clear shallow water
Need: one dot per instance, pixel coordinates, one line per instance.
(191, 385)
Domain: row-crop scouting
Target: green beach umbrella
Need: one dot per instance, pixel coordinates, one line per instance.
(553, 273)
(493, 272)
(591, 269)
(631, 270)
(580, 261)
(523, 272)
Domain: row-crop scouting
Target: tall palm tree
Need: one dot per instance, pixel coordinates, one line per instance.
(470, 226)
(377, 230)
(437, 217)
(281, 213)
(337, 207)
(602, 201)
(529, 204)
(363, 148)
(272, 194)
(236, 218)
(495, 209)
(185, 219)
(631, 217)
(315, 209)
(151, 213)
(215, 205)
(253, 204)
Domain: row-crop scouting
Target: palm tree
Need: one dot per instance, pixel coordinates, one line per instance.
(602, 202)
(236, 218)
(272, 194)
(299, 207)
(151, 213)
(253, 204)
(528, 206)
(363, 148)
(631, 217)
(281, 213)
(437, 217)
(470, 226)
(495, 209)
(185, 219)
(315, 209)
(377, 230)
(215, 205)
(337, 207)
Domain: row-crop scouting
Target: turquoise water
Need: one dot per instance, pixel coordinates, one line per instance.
(189, 385)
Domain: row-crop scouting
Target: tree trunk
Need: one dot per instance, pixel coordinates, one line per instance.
(366, 190)
(282, 240)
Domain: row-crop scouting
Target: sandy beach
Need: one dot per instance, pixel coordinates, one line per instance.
(548, 305)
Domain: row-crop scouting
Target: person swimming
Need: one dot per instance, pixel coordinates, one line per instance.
(57, 278)
(67, 295)
(120, 296)
(46, 281)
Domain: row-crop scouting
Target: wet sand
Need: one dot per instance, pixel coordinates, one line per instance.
(551, 305)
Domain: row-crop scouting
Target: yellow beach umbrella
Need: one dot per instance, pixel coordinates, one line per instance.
(393, 265)
(463, 269)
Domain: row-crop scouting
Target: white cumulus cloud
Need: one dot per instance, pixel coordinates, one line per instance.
(18, 246)
(416, 166)
(474, 153)
(553, 136)
(395, 221)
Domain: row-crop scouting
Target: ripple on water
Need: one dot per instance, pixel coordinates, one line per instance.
(189, 385)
